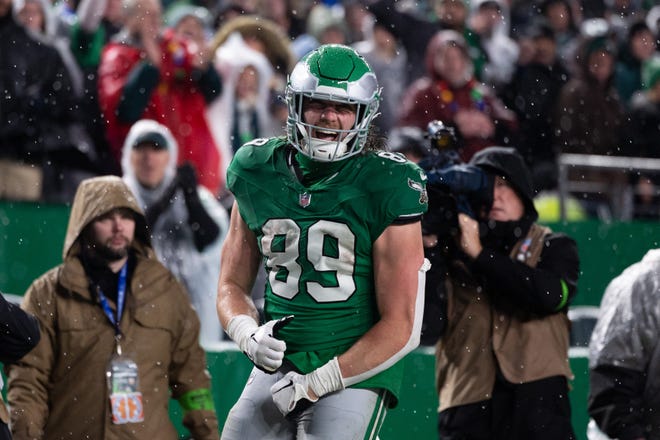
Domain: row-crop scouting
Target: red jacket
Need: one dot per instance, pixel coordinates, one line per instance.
(176, 102)
(427, 99)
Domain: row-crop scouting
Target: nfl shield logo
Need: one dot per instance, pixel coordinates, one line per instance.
(304, 199)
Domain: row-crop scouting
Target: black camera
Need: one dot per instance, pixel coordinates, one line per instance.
(453, 185)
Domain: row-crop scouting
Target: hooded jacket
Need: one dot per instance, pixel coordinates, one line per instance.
(624, 354)
(59, 389)
(172, 234)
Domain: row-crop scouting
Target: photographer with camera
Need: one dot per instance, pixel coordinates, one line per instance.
(502, 366)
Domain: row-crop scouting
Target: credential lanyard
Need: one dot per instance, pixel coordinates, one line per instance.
(121, 297)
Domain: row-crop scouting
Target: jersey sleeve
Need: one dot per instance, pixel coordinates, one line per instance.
(403, 191)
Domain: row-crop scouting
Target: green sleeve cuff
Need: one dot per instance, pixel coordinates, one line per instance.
(564, 295)
(194, 400)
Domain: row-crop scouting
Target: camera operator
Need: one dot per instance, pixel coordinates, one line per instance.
(502, 366)
(452, 187)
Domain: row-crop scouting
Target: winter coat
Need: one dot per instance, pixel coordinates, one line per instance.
(624, 354)
(39, 101)
(176, 96)
(59, 389)
(172, 234)
(532, 94)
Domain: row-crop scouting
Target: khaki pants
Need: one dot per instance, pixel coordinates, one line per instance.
(19, 181)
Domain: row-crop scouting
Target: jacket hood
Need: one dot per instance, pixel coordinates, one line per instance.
(144, 128)
(507, 162)
(97, 196)
(47, 10)
(277, 45)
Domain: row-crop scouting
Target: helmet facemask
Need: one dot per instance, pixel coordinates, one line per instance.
(338, 74)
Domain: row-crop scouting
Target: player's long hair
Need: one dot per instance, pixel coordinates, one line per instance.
(375, 140)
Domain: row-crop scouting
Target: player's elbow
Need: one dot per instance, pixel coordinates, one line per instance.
(413, 337)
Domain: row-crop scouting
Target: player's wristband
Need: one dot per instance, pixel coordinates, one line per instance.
(240, 328)
(326, 379)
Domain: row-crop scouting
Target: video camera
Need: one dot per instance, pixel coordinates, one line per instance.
(453, 185)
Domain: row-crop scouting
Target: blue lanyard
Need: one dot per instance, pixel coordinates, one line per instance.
(121, 296)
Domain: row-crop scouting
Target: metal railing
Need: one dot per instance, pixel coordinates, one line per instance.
(627, 165)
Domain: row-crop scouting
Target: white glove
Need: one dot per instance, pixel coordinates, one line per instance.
(295, 392)
(259, 343)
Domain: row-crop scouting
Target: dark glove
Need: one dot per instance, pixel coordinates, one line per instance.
(187, 178)
(205, 229)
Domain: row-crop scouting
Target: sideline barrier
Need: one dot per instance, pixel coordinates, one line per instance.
(416, 415)
(32, 236)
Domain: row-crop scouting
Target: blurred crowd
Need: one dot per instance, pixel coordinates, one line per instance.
(545, 76)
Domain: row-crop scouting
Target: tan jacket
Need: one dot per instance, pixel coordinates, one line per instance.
(479, 339)
(59, 389)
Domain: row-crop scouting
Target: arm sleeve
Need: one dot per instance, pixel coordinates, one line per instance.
(205, 229)
(405, 26)
(545, 289)
(90, 13)
(136, 94)
(189, 379)
(209, 82)
(615, 401)
(19, 332)
(28, 378)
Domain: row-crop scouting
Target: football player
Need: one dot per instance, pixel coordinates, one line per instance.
(335, 221)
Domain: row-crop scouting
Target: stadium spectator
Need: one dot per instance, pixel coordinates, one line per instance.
(643, 138)
(37, 17)
(150, 73)
(325, 24)
(186, 223)
(624, 354)
(489, 20)
(118, 334)
(344, 296)
(415, 32)
(287, 14)
(532, 94)
(502, 366)
(450, 93)
(589, 119)
(387, 57)
(43, 150)
(638, 47)
(560, 15)
(20, 334)
(89, 27)
(589, 112)
(243, 112)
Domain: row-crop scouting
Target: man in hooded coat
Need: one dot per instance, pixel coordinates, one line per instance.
(61, 389)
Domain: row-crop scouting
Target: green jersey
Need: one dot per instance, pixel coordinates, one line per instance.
(317, 242)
